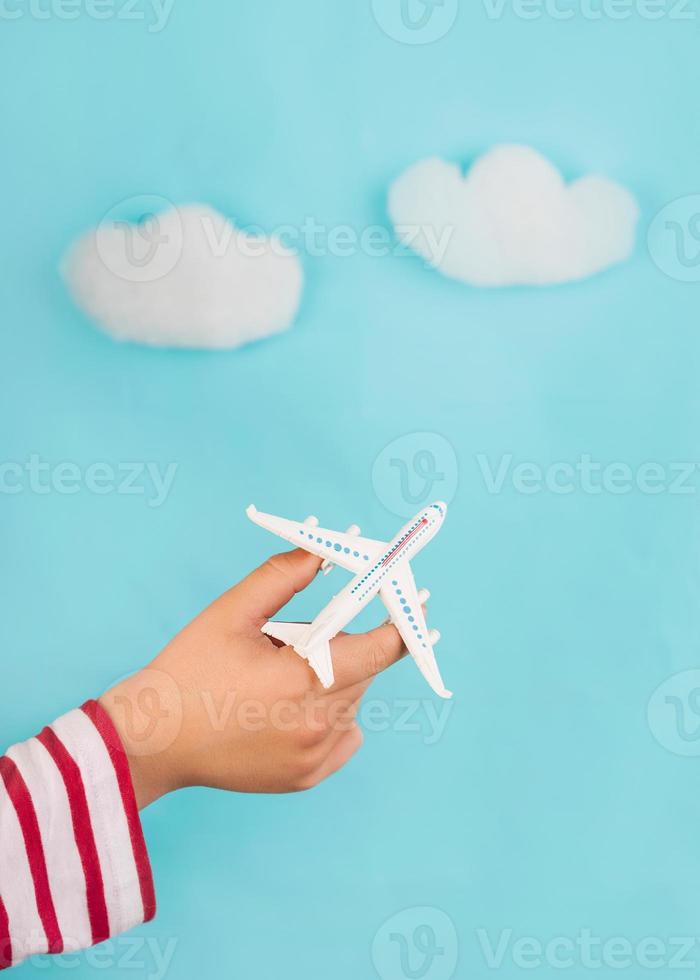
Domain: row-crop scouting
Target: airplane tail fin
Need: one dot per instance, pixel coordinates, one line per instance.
(296, 635)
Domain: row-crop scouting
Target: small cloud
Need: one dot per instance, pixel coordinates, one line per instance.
(184, 277)
(511, 220)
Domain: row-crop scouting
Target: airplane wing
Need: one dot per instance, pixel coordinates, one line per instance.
(400, 597)
(350, 551)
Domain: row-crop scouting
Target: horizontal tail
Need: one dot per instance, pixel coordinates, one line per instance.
(298, 636)
(289, 633)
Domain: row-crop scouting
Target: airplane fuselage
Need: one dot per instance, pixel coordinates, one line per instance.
(344, 606)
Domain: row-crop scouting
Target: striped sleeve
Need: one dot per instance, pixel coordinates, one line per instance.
(74, 869)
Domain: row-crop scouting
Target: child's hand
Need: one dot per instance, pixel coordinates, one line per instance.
(223, 706)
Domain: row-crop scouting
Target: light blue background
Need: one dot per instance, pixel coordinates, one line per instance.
(547, 807)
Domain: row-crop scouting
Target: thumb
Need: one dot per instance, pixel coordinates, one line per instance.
(262, 593)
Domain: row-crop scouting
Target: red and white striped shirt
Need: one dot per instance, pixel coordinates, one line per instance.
(74, 869)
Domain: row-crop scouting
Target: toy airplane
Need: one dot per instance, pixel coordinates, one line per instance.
(379, 567)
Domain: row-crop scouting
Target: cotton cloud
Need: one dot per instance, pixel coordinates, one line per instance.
(512, 220)
(185, 277)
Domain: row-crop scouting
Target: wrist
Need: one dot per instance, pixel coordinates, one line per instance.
(145, 709)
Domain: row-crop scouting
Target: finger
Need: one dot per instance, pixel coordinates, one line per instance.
(359, 657)
(344, 749)
(262, 593)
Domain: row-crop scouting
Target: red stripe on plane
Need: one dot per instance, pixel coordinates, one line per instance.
(397, 549)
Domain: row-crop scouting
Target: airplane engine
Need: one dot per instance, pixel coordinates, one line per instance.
(423, 596)
(311, 521)
(434, 636)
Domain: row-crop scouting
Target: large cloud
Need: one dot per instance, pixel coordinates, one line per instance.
(185, 277)
(512, 220)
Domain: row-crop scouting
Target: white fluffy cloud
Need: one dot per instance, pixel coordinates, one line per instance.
(185, 277)
(512, 220)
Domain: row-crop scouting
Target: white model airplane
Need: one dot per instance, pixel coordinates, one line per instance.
(379, 567)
